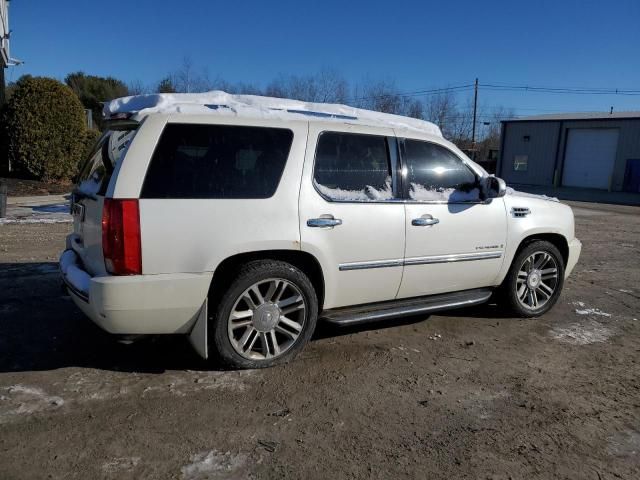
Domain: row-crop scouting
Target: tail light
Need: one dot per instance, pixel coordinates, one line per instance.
(121, 237)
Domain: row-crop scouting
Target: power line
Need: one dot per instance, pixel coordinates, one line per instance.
(424, 92)
(499, 86)
(560, 90)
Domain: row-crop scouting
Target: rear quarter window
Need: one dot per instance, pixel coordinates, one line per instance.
(217, 161)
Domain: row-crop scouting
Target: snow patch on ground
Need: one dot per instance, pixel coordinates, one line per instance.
(483, 402)
(94, 385)
(7, 221)
(212, 465)
(583, 310)
(47, 209)
(18, 400)
(624, 444)
(582, 333)
(53, 208)
(120, 464)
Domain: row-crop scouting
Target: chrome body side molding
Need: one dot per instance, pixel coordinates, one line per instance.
(458, 257)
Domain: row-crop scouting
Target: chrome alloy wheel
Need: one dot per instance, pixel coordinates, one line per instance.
(537, 280)
(267, 319)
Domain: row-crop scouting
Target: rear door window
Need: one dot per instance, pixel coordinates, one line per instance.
(217, 161)
(96, 172)
(353, 167)
(435, 173)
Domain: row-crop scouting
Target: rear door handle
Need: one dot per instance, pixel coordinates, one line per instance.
(424, 221)
(324, 222)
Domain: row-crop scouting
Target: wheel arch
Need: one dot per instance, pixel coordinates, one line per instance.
(305, 261)
(556, 239)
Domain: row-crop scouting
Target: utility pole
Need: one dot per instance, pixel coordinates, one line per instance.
(473, 133)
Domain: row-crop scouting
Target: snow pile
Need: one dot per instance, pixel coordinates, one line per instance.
(78, 278)
(511, 191)
(422, 193)
(367, 194)
(90, 186)
(218, 102)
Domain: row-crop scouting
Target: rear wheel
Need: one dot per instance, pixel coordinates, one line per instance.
(535, 279)
(266, 316)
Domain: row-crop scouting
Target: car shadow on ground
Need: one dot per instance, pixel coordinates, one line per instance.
(42, 329)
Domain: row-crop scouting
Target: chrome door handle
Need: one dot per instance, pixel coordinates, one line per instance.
(424, 221)
(324, 222)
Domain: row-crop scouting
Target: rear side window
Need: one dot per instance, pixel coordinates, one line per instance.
(353, 167)
(434, 173)
(217, 161)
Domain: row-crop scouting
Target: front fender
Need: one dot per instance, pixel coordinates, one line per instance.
(544, 217)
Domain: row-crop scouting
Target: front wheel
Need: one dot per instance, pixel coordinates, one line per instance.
(265, 317)
(535, 279)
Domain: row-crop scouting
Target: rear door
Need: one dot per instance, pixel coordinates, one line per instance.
(455, 241)
(88, 197)
(350, 216)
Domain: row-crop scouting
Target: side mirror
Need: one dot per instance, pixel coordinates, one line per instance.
(495, 187)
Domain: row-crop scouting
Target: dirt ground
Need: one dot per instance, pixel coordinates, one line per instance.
(467, 394)
(17, 187)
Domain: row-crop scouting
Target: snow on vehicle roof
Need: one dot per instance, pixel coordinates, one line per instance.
(221, 103)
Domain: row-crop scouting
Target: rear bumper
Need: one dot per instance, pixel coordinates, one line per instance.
(575, 247)
(136, 304)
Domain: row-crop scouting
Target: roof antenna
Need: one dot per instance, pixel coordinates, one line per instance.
(611, 111)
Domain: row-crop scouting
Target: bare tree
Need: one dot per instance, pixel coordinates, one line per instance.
(380, 96)
(442, 109)
(187, 79)
(327, 86)
(332, 87)
(136, 87)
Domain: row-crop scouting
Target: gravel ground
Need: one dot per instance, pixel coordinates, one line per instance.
(488, 397)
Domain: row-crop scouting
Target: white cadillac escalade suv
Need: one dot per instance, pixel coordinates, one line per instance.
(241, 220)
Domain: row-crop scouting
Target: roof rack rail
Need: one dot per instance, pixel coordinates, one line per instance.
(323, 114)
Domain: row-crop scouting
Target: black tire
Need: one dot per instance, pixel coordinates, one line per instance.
(220, 346)
(510, 286)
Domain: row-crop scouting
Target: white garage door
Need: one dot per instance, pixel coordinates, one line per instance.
(589, 157)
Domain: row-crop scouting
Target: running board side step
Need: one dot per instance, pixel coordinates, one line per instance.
(405, 307)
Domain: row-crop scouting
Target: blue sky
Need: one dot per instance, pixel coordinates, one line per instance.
(419, 44)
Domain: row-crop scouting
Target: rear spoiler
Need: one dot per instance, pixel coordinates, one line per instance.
(121, 121)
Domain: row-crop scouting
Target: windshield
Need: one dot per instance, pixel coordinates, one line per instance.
(96, 171)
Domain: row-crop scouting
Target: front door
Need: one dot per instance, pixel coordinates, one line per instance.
(454, 241)
(350, 216)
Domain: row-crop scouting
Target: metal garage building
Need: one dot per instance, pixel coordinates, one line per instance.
(587, 150)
